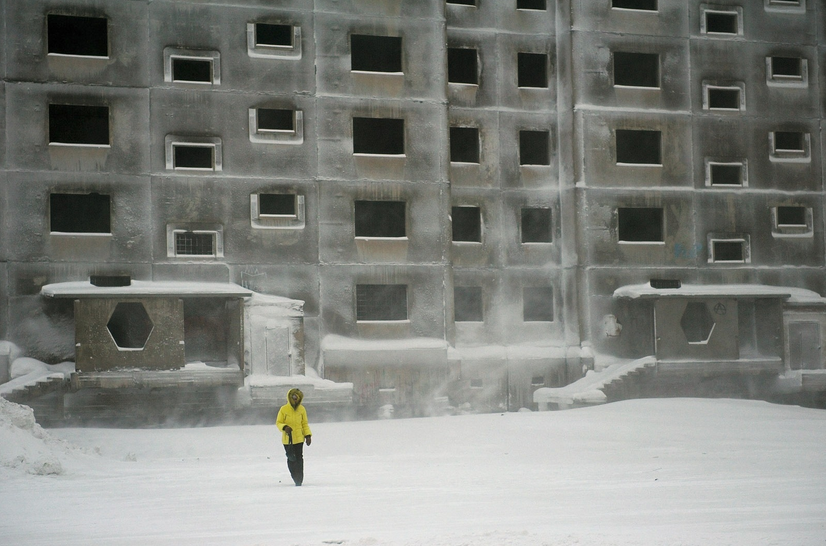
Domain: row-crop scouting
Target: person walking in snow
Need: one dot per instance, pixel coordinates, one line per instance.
(292, 422)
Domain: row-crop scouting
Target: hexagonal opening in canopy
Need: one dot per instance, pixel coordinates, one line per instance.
(130, 325)
(697, 322)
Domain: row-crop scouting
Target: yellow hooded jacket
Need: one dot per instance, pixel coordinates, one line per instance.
(295, 417)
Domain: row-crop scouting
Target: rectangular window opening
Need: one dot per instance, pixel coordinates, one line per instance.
(276, 119)
(636, 69)
(462, 65)
(532, 70)
(642, 5)
(718, 22)
(191, 70)
(638, 147)
(79, 213)
(723, 98)
(464, 145)
(538, 381)
(277, 204)
(534, 148)
(726, 174)
(83, 125)
(461, 2)
(789, 141)
(536, 225)
(786, 67)
(81, 36)
(467, 304)
(380, 219)
(640, 225)
(792, 216)
(192, 243)
(538, 304)
(375, 53)
(384, 302)
(272, 35)
(467, 224)
(378, 136)
(537, 5)
(192, 156)
(728, 251)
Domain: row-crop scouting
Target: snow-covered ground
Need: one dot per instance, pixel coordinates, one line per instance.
(645, 472)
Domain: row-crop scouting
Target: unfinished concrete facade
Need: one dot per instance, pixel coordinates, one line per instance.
(460, 192)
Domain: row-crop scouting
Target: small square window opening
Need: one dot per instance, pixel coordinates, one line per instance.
(723, 97)
(464, 145)
(192, 67)
(193, 157)
(271, 35)
(273, 40)
(787, 71)
(462, 65)
(538, 304)
(532, 70)
(640, 225)
(536, 225)
(277, 204)
(636, 69)
(534, 148)
(726, 174)
(467, 304)
(638, 147)
(77, 36)
(721, 22)
(375, 53)
(732, 251)
(467, 224)
(277, 211)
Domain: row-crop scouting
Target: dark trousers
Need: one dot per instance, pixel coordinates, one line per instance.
(295, 461)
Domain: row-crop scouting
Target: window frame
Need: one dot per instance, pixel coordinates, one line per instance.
(744, 175)
(786, 6)
(783, 80)
(743, 239)
(708, 87)
(267, 51)
(804, 230)
(212, 57)
(782, 155)
(216, 230)
(277, 221)
(276, 136)
(643, 10)
(736, 11)
(173, 141)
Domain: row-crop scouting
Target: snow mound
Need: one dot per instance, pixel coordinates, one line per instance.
(26, 447)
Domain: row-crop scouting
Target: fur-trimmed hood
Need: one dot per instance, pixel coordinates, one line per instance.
(296, 392)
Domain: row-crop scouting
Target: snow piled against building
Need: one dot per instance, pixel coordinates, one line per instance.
(25, 447)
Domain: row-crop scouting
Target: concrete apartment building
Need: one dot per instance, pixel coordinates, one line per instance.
(462, 202)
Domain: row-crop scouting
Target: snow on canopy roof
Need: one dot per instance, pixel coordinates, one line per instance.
(85, 289)
(793, 295)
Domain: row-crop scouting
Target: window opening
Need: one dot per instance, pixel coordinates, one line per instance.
(130, 325)
(375, 53)
(791, 216)
(462, 65)
(697, 323)
(718, 22)
(192, 243)
(380, 219)
(79, 213)
(276, 204)
(192, 70)
(532, 70)
(786, 68)
(477, 383)
(534, 148)
(378, 136)
(723, 98)
(538, 5)
(83, 125)
(726, 174)
(81, 36)
(639, 147)
(536, 225)
(642, 5)
(267, 34)
(384, 302)
(273, 119)
(728, 251)
(538, 304)
(467, 224)
(193, 156)
(538, 381)
(467, 304)
(636, 69)
(788, 141)
(462, 2)
(464, 145)
(640, 225)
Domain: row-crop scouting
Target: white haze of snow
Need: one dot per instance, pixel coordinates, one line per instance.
(674, 472)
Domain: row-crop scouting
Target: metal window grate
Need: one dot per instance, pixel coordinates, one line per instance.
(188, 243)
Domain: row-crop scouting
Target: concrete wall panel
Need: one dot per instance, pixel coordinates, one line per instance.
(671, 19)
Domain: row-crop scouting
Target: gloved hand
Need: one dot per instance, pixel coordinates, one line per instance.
(309, 440)
(288, 429)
